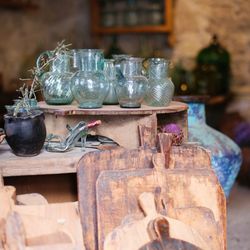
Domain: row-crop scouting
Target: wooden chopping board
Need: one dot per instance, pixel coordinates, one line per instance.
(135, 235)
(117, 193)
(88, 170)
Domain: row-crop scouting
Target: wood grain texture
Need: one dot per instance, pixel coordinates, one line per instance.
(14, 232)
(123, 129)
(89, 168)
(135, 234)
(184, 169)
(118, 191)
(56, 188)
(112, 109)
(44, 163)
(119, 124)
(31, 199)
(147, 136)
(29, 226)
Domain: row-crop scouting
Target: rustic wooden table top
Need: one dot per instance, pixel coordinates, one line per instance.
(42, 164)
(174, 107)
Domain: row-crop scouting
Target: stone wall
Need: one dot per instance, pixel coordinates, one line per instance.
(195, 21)
(25, 33)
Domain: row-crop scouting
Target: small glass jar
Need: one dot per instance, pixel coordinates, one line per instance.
(89, 85)
(132, 84)
(110, 76)
(161, 88)
(56, 82)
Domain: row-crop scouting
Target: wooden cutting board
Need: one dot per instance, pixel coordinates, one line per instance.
(117, 193)
(135, 235)
(34, 226)
(88, 170)
(89, 167)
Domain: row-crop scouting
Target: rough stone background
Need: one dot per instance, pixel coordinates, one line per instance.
(196, 20)
(26, 33)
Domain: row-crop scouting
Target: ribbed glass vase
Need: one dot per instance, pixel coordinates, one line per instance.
(161, 88)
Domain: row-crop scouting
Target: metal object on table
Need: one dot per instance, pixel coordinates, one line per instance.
(79, 132)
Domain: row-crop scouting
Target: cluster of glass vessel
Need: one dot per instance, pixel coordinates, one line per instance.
(84, 75)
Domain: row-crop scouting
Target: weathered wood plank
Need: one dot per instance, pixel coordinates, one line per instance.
(147, 136)
(51, 218)
(89, 168)
(111, 109)
(14, 232)
(117, 193)
(44, 163)
(122, 129)
(119, 124)
(31, 199)
(135, 234)
(182, 158)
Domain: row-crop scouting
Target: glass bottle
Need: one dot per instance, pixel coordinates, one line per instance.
(56, 82)
(110, 76)
(161, 88)
(88, 85)
(132, 84)
(213, 69)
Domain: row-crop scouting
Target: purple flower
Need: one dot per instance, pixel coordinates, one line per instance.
(176, 131)
(242, 134)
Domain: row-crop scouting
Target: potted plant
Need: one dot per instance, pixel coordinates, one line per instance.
(24, 126)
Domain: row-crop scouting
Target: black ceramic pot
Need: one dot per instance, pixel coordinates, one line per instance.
(25, 134)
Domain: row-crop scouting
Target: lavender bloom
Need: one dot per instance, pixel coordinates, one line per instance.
(242, 134)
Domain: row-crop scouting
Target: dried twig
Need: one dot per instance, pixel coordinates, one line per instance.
(28, 92)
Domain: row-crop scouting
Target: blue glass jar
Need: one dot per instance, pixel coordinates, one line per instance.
(226, 156)
(88, 84)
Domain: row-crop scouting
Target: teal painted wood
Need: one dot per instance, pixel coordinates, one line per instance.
(225, 154)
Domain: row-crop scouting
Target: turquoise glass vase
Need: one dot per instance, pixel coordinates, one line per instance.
(110, 76)
(88, 84)
(56, 82)
(161, 88)
(132, 85)
(226, 156)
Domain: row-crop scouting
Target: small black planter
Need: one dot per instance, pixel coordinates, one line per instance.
(25, 134)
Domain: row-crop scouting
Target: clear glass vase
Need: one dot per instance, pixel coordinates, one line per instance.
(56, 82)
(88, 84)
(161, 88)
(110, 76)
(132, 84)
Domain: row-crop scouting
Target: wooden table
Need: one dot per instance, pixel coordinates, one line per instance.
(119, 124)
(45, 163)
(50, 174)
(58, 182)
